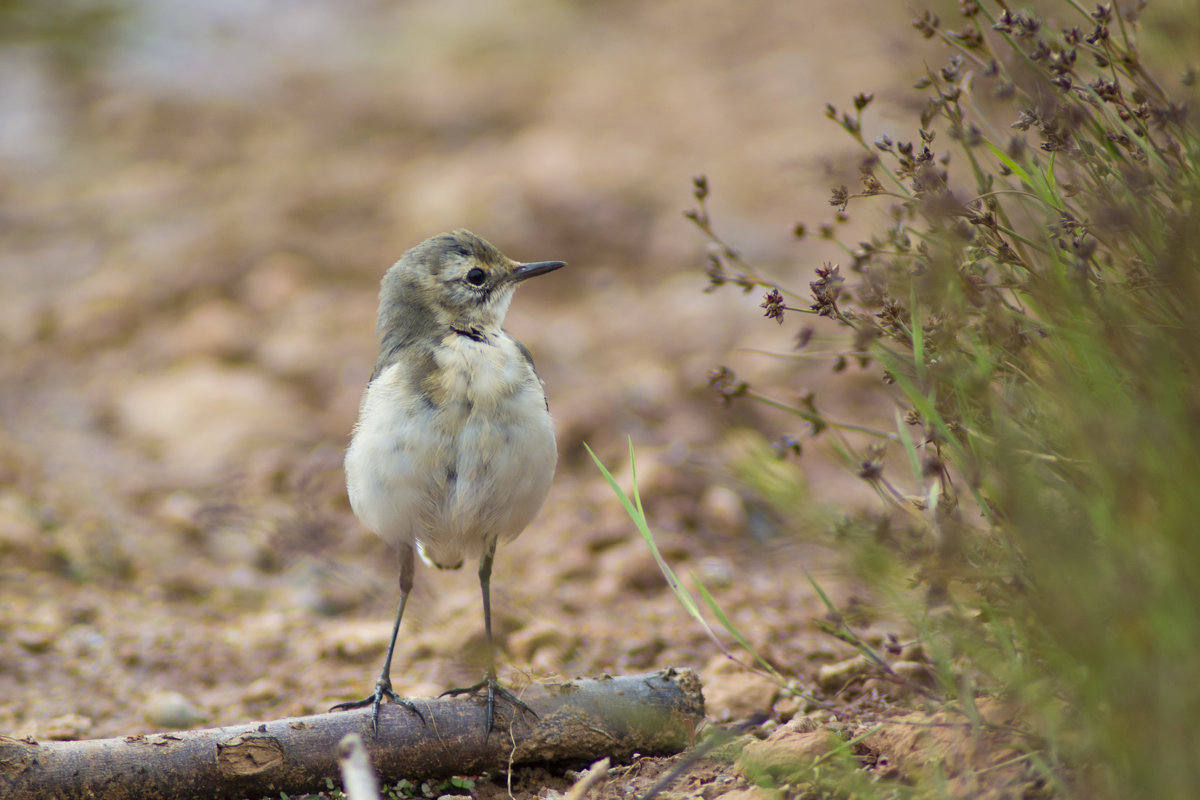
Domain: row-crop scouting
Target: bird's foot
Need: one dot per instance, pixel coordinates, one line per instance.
(383, 688)
(494, 690)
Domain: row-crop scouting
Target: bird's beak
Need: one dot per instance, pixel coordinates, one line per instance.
(524, 271)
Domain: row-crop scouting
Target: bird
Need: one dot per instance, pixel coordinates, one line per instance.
(454, 452)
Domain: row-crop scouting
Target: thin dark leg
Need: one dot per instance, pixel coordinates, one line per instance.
(485, 585)
(383, 686)
(489, 682)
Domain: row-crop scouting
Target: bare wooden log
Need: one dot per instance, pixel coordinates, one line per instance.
(577, 722)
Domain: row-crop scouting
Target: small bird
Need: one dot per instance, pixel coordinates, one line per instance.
(454, 449)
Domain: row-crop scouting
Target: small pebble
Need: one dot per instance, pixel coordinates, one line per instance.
(172, 711)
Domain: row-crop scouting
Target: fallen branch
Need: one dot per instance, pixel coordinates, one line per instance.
(578, 722)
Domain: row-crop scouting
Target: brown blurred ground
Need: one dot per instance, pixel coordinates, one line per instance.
(190, 243)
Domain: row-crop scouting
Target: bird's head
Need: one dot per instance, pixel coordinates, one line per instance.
(457, 280)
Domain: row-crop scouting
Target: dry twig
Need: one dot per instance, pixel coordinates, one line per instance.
(577, 722)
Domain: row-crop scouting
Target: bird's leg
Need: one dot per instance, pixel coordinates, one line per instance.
(383, 686)
(489, 682)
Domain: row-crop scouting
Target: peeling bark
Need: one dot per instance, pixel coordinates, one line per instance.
(578, 722)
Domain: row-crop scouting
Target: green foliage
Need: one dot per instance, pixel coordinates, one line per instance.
(70, 35)
(1031, 303)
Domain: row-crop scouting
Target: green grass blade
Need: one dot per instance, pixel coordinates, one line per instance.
(1043, 187)
(910, 447)
(634, 509)
(733, 631)
(829, 606)
(918, 336)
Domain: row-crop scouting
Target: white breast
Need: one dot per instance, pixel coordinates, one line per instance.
(459, 467)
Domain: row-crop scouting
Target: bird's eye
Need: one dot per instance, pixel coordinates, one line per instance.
(476, 276)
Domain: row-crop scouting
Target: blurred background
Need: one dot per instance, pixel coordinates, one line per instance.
(197, 201)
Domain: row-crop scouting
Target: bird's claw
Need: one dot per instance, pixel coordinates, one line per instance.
(494, 689)
(382, 689)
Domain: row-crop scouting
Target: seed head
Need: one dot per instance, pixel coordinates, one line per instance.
(773, 303)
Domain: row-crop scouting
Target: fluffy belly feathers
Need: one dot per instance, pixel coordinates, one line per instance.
(453, 454)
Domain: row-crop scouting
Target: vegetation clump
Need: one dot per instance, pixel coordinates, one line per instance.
(1031, 304)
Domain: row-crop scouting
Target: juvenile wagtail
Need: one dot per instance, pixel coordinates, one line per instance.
(454, 448)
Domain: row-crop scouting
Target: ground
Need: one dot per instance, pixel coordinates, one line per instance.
(191, 236)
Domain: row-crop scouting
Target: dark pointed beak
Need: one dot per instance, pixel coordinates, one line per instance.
(533, 269)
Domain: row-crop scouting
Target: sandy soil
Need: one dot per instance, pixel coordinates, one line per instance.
(192, 237)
